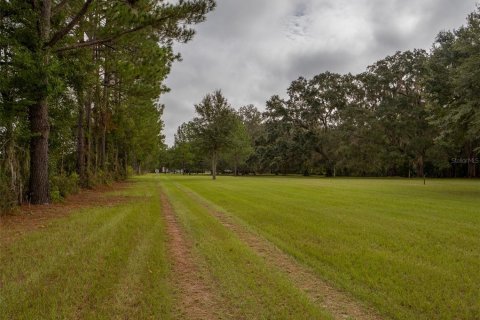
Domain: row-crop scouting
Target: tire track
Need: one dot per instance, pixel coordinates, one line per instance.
(339, 304)
(197, 300)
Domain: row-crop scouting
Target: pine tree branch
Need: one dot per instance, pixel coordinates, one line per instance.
(155, 23)
(63, 32)
(59, 7)
(102, 41)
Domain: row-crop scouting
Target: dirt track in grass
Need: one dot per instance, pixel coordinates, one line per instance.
(337, 303)
(197, 300)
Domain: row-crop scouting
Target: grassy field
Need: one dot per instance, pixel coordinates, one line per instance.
(410, 250)
(98, 263)
(395, 246)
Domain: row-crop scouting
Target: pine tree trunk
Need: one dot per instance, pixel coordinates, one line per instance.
(40, 130)
(104, 148)
(38, 117)
(12, 158)
(12, 162)
(97, 151)
(104, 110)
(81, 142)
(88, 142)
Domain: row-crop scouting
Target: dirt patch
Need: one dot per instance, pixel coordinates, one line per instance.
(196, 298)
(339, 304)
(27, 218)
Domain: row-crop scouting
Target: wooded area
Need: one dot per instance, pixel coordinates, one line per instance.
(79, 90)
(414, 113)
(79, 105)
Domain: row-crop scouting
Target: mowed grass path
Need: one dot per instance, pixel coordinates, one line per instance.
(410, 250)
(117, 263)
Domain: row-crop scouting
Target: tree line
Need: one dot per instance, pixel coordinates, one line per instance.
(414, 113)
(79, 90)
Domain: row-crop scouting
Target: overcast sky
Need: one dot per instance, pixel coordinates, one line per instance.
(253, 49)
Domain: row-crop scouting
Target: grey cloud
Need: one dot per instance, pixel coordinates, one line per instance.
(317, 62)
(252, 49)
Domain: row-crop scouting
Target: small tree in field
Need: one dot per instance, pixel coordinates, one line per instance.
(214, 126)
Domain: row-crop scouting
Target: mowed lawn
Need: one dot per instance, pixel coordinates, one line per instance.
(410, 250)
(105, 262)
(404, 249)
(115, 262)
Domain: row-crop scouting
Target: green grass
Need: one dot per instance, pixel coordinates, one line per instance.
(249, 288)
(100, 263)
(112, 263)
(408, 250)
(411, 251)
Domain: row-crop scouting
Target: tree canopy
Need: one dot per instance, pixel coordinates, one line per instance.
(79, 89)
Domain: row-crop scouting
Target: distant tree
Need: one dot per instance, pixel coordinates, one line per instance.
(301, 130)
(398, 86)
(323, 98)
(240, 146)
(360, 142)
(252, 119)
(275, 150)
(185, 149)
(454, 92)
(214, 126)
